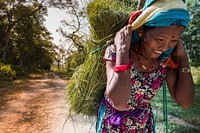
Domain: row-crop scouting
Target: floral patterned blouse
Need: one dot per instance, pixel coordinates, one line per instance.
(138, 116)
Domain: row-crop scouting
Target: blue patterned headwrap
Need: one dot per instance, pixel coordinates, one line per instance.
(169, 17)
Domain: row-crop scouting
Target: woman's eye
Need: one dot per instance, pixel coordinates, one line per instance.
(174, 41)
(160, 40)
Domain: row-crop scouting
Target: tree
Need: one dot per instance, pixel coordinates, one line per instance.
(10, 17)
(76, 38)
(191, 37)
(24, 41)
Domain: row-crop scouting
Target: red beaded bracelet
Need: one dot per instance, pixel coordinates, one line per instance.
(122, 67)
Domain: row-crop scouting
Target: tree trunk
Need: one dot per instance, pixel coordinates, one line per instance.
(5, 48)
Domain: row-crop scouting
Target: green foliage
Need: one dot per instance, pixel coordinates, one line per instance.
(191, 36)
(24, 42)
(76, 60)
(6, 72)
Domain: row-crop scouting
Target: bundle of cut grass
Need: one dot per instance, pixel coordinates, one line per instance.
(87, 86)
(88, 82)
(106, 17)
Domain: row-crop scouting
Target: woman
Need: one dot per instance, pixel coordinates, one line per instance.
(138, 63)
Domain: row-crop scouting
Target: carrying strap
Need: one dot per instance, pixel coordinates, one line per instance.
(165, 113)
(101, 114)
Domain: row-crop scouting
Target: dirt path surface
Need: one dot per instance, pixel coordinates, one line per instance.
(39, 106)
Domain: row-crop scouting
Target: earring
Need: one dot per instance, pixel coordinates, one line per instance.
(140, 32)
(140, 35)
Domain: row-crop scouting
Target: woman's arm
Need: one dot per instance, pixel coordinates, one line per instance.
(180, 84)
(118, 87)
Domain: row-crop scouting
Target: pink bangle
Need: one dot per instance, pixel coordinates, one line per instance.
(122, 67)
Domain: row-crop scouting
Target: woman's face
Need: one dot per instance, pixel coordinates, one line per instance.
(160, 39)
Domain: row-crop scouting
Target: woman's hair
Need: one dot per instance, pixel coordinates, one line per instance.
(147, 28)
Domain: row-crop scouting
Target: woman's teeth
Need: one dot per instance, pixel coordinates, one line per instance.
(159, 52)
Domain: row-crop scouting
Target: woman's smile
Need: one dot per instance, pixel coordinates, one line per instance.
(158, 52)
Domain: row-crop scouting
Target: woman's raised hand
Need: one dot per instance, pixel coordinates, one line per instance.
(180, 52)
(123, 38)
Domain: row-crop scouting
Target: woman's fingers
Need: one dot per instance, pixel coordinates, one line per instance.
(123, 38)
(179, 52)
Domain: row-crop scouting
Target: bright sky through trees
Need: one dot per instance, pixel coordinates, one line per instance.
(53, 22)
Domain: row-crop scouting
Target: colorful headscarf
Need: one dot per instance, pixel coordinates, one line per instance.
(160, 13)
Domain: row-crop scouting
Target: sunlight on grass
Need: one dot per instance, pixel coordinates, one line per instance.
(18, 81)
(196, 74)
(36, 75)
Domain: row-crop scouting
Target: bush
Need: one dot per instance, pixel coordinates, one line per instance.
(6, 72)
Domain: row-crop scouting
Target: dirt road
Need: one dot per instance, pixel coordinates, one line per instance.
(39, 106)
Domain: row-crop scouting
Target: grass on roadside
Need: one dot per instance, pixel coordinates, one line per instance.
(173, 127)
